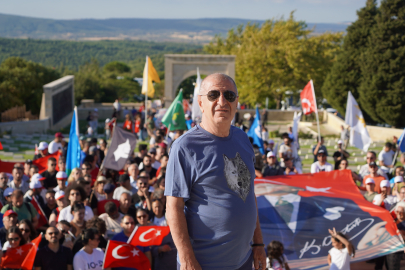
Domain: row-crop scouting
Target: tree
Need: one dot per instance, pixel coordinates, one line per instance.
(277, 56)
(117, 67)
(382, 88)
(21, 83)
(345, 74)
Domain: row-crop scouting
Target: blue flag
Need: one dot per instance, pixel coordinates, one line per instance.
(401, 142)
(255, 132)
(73, 153)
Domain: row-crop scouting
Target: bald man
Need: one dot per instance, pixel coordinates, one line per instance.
(211, 205)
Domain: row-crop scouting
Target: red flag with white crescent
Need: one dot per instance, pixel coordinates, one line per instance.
(145, 236)
(120, 254)
(308, 101)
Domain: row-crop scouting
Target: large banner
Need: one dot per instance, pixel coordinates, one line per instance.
(298, 210)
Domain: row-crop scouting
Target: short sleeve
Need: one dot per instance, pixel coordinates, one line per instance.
(178, 173)
(380, 156)
(4, 209)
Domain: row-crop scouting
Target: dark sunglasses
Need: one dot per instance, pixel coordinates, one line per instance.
(215, 94)
(13, 239)
(128, 223)
(143, 216)
(53, 164)
(25, 230)
(55, 233)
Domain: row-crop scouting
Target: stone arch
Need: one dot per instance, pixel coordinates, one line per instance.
(179, 67)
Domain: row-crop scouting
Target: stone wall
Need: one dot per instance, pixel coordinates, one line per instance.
(26, 127)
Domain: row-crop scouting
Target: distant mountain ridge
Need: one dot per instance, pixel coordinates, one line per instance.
(178, 30)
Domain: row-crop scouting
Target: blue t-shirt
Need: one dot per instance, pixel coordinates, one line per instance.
(123, 238)
(215, 177)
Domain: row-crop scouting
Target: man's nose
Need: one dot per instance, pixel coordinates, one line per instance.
(222, 100)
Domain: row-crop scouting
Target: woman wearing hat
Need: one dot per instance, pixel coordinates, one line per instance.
(98, 190)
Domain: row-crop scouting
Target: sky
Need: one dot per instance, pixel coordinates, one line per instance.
(311, 11)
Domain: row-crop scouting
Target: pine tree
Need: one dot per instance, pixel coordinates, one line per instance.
(345, 73)
(382, 89)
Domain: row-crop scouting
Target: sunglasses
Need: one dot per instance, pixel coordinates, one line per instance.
(75, 194)
(321, 155)
(86, 169)
(53, 164)
(143, 216)
(55, 233)
(25, 230)
(14, 239)
(129, 223)
(215, 94)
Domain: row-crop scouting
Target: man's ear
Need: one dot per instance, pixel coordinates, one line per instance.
(200, 104)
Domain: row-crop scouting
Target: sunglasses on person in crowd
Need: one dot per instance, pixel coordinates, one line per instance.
(129, 223)
(143, 216)
(75, 194)
(53, 164)
(321, 155)
(25, 230)
(213, 95)
(55, 233)
(13, 239)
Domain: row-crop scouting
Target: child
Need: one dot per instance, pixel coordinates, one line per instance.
(339, 255)
(276, 259)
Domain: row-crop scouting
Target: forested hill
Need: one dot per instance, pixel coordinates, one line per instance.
(184, 30)
(72, 54)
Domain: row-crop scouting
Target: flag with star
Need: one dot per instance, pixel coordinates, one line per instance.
(21, 257)
(174, 118)
(123, 143)
(120, 254)
(145, 236)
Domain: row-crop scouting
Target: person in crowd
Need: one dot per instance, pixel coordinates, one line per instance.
(128, 226)
(103, 149)
(340, 154)
(163, 163)
(370, 193)
(94, 122)
(109, 191)
(61, 203)
(273, 167)
(143, 148)
(89, 167)
(27, 166)
(75, 194)
(98, 190)
(50, 204)
(33, 170)
(56, 144)
(54, 255)
(319, 146)
(141, 197)
(78, 223)
(62, 164)
(398, 184)
(95, 223)
(10, 219)
(112, 219)
(3, 187)
(14, 238)
(161, 182)
(385, 196)
(364, 170)
(117, 108)
(147, 167)
(36, 191)
(24, 210)
(17, 182)
(125, 207)
(42, 150)
(126, 186)
(153, 160)
(150, 125)
(90, 256)
(158, 218)
(373, 170)
(286, 149)
(158, 194)
(276, 258)
(7, 194)
(74, 176)
(133, 172)
(321, 165)
(270, 146)
(50, 174)
(128, 123)
(399, 171)
(339, 255)
(290, 169)
(91, 198)
(165, 255)
(386, 158)
(142, 216)
(61, 177)
(344, 165)
(28, 231)
(393, 260)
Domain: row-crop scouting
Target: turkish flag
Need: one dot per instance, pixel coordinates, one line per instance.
(21, 257)
(145, 236)
(120, 254)
(43, 220)
(308, 101)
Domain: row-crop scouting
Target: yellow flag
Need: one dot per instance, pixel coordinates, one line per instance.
(149, 75)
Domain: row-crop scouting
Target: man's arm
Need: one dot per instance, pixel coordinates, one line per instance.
(178, 227)
(259, 255)
(148, 254)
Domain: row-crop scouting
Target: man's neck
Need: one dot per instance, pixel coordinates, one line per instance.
(370, 192)
(219, 131)
(51, 206)
(51, 172)
(124, 209)
(322, 163)
(17, 182)
(54, 246)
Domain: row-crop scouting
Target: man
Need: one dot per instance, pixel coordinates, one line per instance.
(141, 197)
(319, 146)
(50, 203)
(370, 194)
(270, 146)
(27, 166)
(286, 150)
(364, 170)
(126, 207)
(42, 149)
(224, 219)
(289, 167)
(385, 196)
(56, 144)
(273, 167)
(133, 172)
(10, 219)
(125, 186)
(112, 219)
(91, 198)
(23, 209)
(386, 157)
(340, 153)
(373, 170)
(143, 148)
(117, 107)
(109, 191)
(17, 182)
(7, 194)
(50, 174)
(36, 190)
(321, 165)
(54, 255)
(128, 226)
(147, 167)
(154, 161)
(62, 164)
(3, 186)
(61, 177)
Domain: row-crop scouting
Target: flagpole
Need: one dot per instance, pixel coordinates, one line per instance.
(100, 171)
(398, 149)
(146, 94)
(168, 130)
(316, 111)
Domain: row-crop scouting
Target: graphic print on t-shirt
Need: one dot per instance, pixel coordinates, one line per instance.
(237, 175)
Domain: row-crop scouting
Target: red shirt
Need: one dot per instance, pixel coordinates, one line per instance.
(137, 126)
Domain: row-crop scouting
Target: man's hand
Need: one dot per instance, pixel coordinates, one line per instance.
(190, 265)
(164, 248)
(259, 257)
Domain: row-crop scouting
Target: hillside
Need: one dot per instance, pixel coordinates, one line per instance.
(178, 30)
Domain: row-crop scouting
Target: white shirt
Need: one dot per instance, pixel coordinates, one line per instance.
(275, 264)
(65, 214)
(119, 190)
(84, 261)
(53, 147)
(113, 225)
(388, 202)
(316, 167)
(294, 200)
(387, 158)
(160, 221)
(340, 259)
(155, 165)
(364, 170)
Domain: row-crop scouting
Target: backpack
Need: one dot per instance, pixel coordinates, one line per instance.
(10, 206)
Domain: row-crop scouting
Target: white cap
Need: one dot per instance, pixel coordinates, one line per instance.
(340, 142)
(398, 179)
(270, 154)
(185, 115)
(37, 177)
(370, 181)
(43, 146)
(107, 120)
(384, 183)
(35, 184)
(59, 195)
(8, 191)
(61, 175)
(271, 141)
